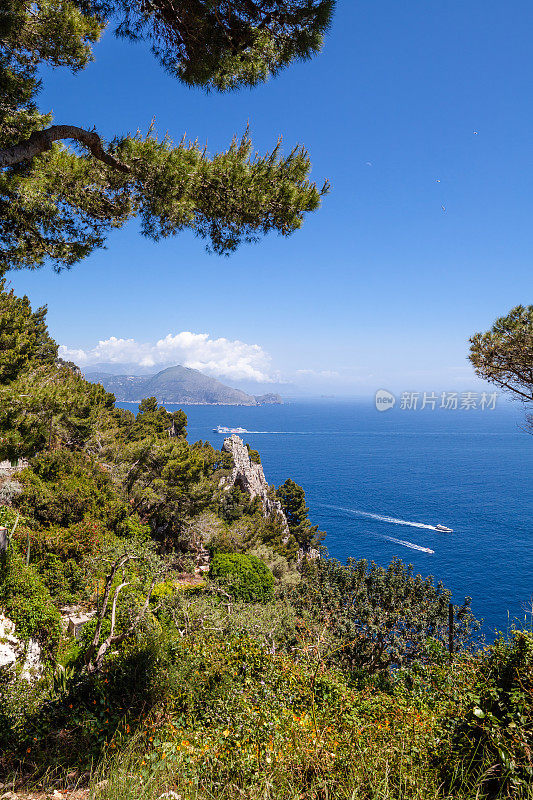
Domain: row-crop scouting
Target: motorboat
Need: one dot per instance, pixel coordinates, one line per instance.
(443, 529)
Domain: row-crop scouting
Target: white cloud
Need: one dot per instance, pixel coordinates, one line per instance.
(218, 357)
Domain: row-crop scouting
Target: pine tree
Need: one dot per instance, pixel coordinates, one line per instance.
(504, 355)
(24, 337)
(292, 498)
(58, 203)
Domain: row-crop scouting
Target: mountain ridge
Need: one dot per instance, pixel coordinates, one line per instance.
(178, 384)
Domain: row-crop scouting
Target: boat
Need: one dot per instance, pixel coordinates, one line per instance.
(222, 429)
(443, 529)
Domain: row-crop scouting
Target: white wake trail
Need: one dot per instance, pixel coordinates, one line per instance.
(381, 517)
(407, 544)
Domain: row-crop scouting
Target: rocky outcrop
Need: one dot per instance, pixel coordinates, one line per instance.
(249, 477)
(13, 651)
(268, 399)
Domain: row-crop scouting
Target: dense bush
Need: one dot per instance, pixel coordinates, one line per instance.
(61, 487)
(60, 555)
(378, 618)
(235, 504)
(246, 577)
(492, 738)
(27, 602)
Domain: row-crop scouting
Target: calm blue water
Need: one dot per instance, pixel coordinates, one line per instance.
(471, 471)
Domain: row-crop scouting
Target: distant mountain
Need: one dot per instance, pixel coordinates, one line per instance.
(177, 385)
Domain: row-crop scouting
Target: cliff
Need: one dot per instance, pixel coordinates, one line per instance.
(249, 477)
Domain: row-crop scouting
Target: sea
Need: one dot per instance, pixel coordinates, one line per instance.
(378, 482)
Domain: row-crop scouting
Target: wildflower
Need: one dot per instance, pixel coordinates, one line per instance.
(28, 750)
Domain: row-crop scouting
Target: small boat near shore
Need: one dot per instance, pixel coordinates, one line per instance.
(443, 529)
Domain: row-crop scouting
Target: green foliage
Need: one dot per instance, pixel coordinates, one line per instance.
(58, 204)
(24, 338)
(153, 419)
(246, 577)
(19, 702)
(60, 555)
(8, 517)
(167, 481)
(255, 458)
(235, 504)
(378, 617)
(292, 498)
(227, 43)
(52, 407)
(492, 739)
(282, 568)
(27, 602)
(62, 487)
(245, 716)
(504, 354)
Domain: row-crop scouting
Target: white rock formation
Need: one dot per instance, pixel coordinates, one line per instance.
(9, 644)
(12, 650)
(249, 477)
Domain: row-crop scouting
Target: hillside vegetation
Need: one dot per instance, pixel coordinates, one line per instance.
(219, 659)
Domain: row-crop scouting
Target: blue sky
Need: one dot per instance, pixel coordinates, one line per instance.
(381, 287)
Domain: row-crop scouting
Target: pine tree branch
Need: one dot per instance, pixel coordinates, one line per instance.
(40, 141)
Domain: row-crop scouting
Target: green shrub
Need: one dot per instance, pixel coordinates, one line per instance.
(59, 555)
(27, 602)
(62, 487)
(236, 503)
(8, 516)
(246, 577)
(492, 739)
(255, 458)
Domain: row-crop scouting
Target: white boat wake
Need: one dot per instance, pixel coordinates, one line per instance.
(380, 517)
(243, 431)
(407, 544)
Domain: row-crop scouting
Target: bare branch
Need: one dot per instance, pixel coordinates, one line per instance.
(118, 564)
(96, 664)
(40, 141)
